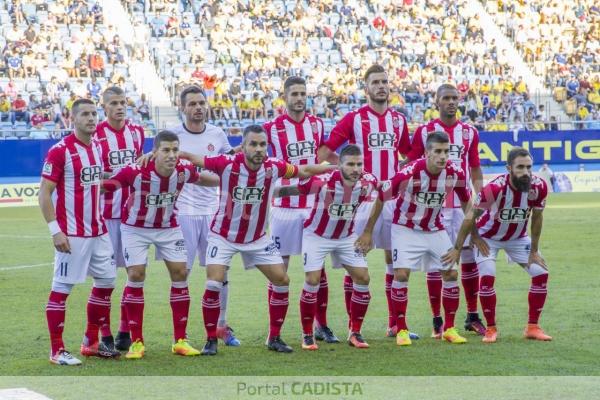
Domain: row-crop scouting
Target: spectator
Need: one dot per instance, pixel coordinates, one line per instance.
(143, 108)
(5, 108)
(19, 110)
(255, 106)
(159, 26)
(93, 89)
(97, 65)
(15, 65)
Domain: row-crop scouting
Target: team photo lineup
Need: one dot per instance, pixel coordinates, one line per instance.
(290, 189)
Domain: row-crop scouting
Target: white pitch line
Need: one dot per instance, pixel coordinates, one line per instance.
(17, 236)
(21, 394)
(23, 267)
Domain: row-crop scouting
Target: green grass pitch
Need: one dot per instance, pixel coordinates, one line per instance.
(569, 244)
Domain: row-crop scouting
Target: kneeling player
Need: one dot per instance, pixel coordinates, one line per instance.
(503, 208)
(418, 235)
(247, 184)
(329, 230)
(150, 218)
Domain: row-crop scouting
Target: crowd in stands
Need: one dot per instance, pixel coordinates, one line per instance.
(53, 53)
(560, 40)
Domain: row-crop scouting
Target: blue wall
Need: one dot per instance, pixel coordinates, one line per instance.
(25, 157)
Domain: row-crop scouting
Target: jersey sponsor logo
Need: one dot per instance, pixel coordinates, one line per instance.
(248, 195)
(91, 175)
(513, 214)
(161, 199)
(381, 141)
(430, 199)
(342, 210)
(272, 249)
(180, 245)
(455, 152)
(120, 158)
(47, 169)
(301, 150)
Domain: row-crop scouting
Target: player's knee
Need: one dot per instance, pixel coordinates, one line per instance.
(449, 276)
(401, 274)
(104, 283)
(283, 280)
(61, 287)
(136, 274)
(179, 275)
(313, 278)
(362, 278)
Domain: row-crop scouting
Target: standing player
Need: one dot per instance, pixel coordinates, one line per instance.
(382, 134)
(150, 217)
(464, 140)
(121, 143)
(198, 204)
(294, 137)
(330, 230)
(503, 207)
(73, 168)
(421, 188)
(247, 184)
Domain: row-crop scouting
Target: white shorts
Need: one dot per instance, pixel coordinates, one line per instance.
(517, 249)
(452, 219)
(286, 225)
(419, 250)
(88, 257)
(136, 241)
(114, 232)
(195, 230)
(220, 251)
(383, 226)
(315, 248)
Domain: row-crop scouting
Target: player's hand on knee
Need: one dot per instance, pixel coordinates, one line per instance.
(145, 159)
(61, 243)
(451, 257)
(481, 246)
(536, 258)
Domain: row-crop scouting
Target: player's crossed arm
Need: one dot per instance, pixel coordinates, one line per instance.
(208, 179)
(60, 240)
(286, 191)
(306, 171)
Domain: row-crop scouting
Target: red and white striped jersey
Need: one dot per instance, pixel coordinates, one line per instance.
(506, 209)
(380, 137)
(76, 168)
(119, 148)
(295, 143)
(332, 216)
(421, 195)
(245, 195)
(151, 202)
(464, 147)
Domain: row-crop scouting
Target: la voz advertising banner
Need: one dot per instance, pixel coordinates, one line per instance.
(26, 157)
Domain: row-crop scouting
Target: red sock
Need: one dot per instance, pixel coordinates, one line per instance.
(399, 297)
(308, 308)
(450, 299)
(537, 297)
(358, 308)
(55, 315)
(487, 296)
(98, 314)
(434, 287)
(211, 308)
(347, 293)
(388, 295)
(469, 276)
(124, 323)
(180, 306)
(322, 299)
(278, 306)
(134, 301)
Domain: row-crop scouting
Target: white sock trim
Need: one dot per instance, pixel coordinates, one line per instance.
(360, 288)
(281, 289)
(399, 285)
(214, 285)
(311, 288)
(135, 284)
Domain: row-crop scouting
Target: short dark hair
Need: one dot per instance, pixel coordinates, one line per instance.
(78, 103)
(293, 80)
(373, 69)
(254, 128)
(191, 89)
(350, 150)
(517, 152)
(164, 136)
(444, 86)
(436, 137)
(112, 91)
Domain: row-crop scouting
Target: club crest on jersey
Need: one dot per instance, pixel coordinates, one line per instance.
(465, 133)
(396, 122)
(119, 158)
(301, 150)
(210, 147)
(161, 199)
(381, 141)
(430, 199)
(181, 177)
(248, 195)
(91, 175)
(532, 195)
(47, 169)
(342, 211)
(313, 126)
(455, 152)
(513, 214)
